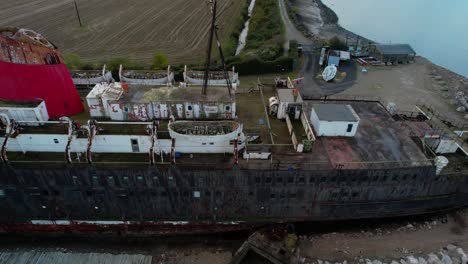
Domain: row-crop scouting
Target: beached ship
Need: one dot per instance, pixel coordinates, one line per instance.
(144, 77)
(346, 159)
(172, 160)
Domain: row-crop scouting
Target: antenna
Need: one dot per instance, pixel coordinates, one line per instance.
(77, 13)
(214, 31)
(210, 46)
(226, 74)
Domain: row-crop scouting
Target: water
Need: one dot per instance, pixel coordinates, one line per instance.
(436, 29)
(245, 30)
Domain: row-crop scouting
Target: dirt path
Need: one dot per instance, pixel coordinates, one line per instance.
(291, 31)
(407, 85)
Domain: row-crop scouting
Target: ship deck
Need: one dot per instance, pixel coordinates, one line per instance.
(380, 142)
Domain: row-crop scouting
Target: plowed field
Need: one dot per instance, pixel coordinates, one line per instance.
(123, 28)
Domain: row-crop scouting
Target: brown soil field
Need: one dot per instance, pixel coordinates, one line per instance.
(133, 29)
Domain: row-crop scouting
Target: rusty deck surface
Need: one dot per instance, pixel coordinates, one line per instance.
(379, 138)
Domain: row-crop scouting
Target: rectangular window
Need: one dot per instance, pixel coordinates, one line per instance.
(350, 128)
(189, 108)
(135, 147)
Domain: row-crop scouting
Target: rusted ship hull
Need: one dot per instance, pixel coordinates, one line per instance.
(144, 200)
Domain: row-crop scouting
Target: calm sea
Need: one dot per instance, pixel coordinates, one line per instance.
(436, 29)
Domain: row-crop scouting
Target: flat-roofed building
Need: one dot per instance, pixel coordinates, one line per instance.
(392, 53)
(334, 120)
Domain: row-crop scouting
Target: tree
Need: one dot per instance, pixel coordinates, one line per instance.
(336, 44)
(159, 61)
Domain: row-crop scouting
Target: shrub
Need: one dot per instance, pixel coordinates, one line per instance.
(72, 60)
(336, 44)
(160, 61)
(114, 64)
(265, 30)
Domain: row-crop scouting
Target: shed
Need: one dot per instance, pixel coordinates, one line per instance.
(345, 55)
(392, 53)
(290, 102)
(334, 60)
(25, 111)
(334, 120)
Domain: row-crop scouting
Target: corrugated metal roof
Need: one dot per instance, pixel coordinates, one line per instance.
(335, 112)
(45, 257)
(395, 49)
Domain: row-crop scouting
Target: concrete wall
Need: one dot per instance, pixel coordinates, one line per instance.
(95, 107)
(163, 110)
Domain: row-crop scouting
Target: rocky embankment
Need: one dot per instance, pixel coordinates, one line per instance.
(453, 87)
(427, 240)
(450, 254)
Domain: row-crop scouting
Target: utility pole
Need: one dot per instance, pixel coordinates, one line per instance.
(210, 46)
(77, 13)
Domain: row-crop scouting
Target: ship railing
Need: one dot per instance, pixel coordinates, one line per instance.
(281, 164)
(356, 98)
(431, 113)
(272, 164)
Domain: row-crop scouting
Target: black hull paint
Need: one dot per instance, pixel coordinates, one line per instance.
(156, 200)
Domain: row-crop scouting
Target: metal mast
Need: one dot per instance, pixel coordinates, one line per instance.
(226, 73)
(210, 46)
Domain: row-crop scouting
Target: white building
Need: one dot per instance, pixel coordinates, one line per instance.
(334, 120)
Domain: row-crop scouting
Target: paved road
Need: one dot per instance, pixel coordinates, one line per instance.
(308, 87)
(291, 31)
